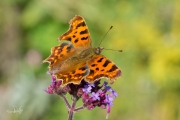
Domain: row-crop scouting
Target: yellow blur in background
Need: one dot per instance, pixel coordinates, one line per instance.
(148, 32)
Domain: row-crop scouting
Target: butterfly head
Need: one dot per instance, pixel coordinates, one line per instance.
(98, 50)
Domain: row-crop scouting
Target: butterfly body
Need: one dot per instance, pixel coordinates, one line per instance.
(71, 62)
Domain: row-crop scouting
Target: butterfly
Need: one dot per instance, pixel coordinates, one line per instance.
(75, 59)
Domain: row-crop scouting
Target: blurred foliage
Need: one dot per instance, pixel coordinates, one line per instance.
(148, 32)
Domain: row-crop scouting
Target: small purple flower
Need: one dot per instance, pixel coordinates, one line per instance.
(87, 89)
(105, 83)
(49, 90)
(95, 96)
(114, 93)
(90, 107)
(53, 88)
(109, 100)
(92, 85)
(107, 88)
(53, 78)
(85, 97)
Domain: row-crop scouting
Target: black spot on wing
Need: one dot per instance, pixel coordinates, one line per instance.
(83, 68)
(114, 67)
(81, 24)
(93, 65)
(84, 38)
(69, 48)
(106, 63)
(59, 48)
(69, 39)
(84, 32)
(76, 40)
(52, 62)
(55, 57)
(97, 69)
(91, 72)
(100, 60)
(74, 36)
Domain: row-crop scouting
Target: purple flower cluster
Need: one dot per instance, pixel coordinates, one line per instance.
(96, 95)
(93, 95)
(54, 86)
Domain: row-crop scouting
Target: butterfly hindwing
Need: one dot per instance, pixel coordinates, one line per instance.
(78, 33)
(74, 76)
(100, 67)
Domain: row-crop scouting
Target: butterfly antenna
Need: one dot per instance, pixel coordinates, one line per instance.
(105, 35)
(114, 50)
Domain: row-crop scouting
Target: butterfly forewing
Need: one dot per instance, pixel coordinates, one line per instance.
(78, 33)
(58, 55)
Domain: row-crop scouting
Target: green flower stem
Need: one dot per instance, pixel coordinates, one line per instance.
(71, 110)
(65, 100)
(79, 109)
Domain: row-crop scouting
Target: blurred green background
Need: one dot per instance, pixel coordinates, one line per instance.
(147, 31)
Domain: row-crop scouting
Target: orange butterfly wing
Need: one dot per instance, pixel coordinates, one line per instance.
(101, 67)
(65, 67)
(78, 33)
(58, 55)
(74, 76)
